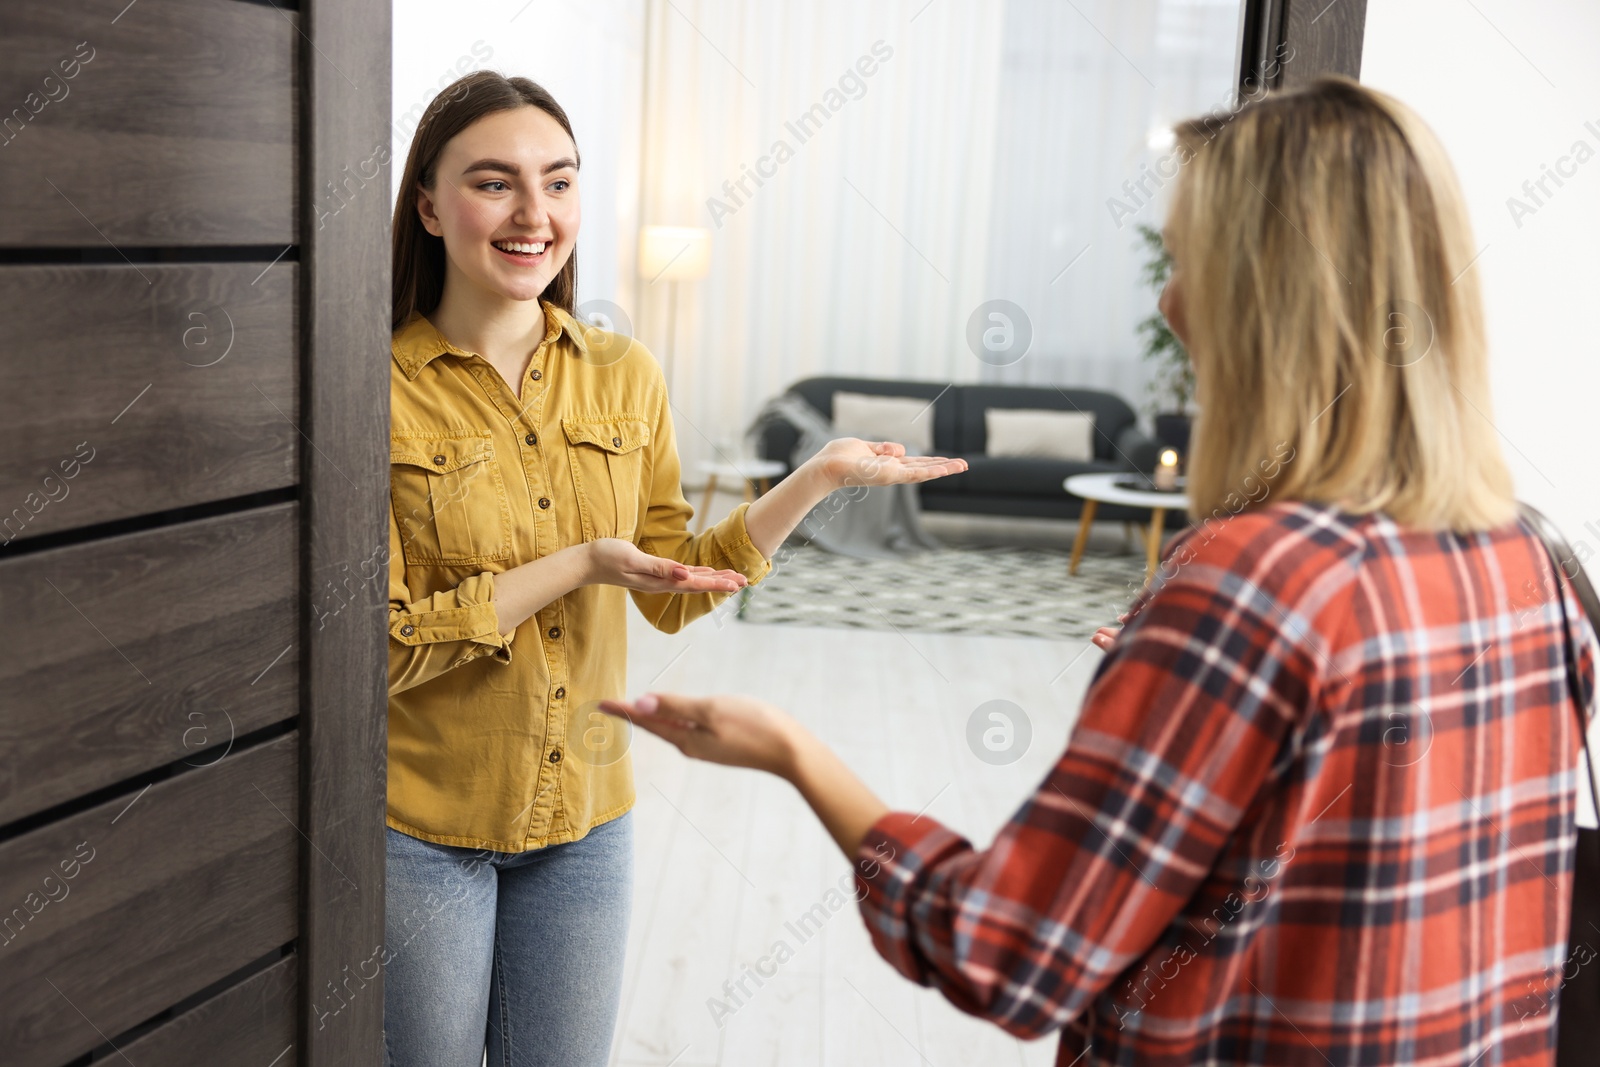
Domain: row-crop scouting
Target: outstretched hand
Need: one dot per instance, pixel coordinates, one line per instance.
(848, 461)
(613, 561)
(741, 731)
(737, 731)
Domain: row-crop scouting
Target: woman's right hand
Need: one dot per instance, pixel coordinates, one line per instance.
(613, 561)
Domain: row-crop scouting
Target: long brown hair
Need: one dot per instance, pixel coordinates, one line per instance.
(1333, 313)
(418, 255)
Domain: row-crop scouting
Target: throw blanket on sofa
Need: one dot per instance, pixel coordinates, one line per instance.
(868, 522)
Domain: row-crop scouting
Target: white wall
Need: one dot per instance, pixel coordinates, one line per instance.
(1511, 87)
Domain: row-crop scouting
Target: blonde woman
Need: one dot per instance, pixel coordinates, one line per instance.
(534, 473)
(1319, 803)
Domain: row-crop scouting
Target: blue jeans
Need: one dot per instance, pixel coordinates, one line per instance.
(522, 948)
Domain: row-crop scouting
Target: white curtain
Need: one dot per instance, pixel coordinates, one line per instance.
(956, 152)
(1077, 118)
(864, 251)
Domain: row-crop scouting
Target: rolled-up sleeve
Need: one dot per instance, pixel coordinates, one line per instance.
(665, 532)
(432, 634)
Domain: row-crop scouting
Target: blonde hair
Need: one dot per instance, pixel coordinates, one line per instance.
(1325, 252)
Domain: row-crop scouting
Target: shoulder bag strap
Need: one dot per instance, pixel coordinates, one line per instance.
(1557, 549)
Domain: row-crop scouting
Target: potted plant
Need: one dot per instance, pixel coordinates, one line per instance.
(1172, 387)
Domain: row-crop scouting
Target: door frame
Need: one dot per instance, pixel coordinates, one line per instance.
(1310, 37)
(344, 61)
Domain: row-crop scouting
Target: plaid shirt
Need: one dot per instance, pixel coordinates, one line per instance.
(1318, 809)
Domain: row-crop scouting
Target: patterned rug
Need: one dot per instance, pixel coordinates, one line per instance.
(1008, 592)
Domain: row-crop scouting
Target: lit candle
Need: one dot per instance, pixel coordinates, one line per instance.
(1166, 476)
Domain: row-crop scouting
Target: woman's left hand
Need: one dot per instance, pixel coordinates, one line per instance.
(1106, 635)
(847, 461)
(737, 731)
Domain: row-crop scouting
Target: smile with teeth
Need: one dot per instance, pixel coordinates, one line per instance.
(522, 249)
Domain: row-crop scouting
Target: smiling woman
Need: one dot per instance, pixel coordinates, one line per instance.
(532, 484)
(468, 196)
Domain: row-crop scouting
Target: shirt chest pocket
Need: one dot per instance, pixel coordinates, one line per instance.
(607, 456)
(449, 498)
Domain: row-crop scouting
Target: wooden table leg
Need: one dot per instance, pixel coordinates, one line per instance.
(749, 491)
(705, 503)
(765, 487)
(1085, 520)
(1158, 518)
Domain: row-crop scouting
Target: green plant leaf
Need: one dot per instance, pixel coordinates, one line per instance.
(1174, 374)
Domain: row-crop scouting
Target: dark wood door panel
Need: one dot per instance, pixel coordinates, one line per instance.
(252, 1023)
(133, 390)
(344, 495)
(132, 652)
(124, 909)
(169, 124)
(1289, 44)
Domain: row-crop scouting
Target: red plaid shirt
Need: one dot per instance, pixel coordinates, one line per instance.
(1318, 809)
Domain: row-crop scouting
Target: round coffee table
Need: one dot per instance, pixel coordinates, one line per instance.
(1102, 488)
(748, 471)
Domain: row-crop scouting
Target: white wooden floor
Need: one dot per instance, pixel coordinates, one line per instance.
(727, 861)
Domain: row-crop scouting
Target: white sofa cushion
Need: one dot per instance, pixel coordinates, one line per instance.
(907, 420)
(1039, 434)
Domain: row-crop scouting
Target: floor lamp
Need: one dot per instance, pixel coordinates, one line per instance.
(673, 254)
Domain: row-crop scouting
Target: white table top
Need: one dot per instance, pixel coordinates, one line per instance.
(743, 468)
(1100, 487)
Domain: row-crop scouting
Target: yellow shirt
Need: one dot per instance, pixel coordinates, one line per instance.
(497, 743)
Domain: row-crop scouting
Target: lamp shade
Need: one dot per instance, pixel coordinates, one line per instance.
(674, 253)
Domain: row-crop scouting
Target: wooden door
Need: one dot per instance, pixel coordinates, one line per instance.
(194, 269)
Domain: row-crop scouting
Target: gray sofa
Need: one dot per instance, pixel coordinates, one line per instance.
(998, 485)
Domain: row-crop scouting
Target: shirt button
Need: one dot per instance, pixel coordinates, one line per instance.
(439, 460)
(561, 691)
(544, 502)
(555, 633)
(555, 755)
(532, 439)
(407, 630)
(536, 375)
